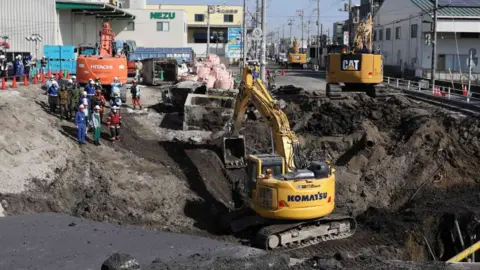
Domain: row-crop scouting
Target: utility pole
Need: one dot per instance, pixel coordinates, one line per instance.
(210, 9)
(257, 24)
(317, 53)
(290, 23)
(372, 10)
(308, 33)
(264, 40)
(244, 45)
(300, 13)
(350, 21)
(434, 43)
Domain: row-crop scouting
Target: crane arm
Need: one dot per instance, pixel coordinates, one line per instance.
(286, 143)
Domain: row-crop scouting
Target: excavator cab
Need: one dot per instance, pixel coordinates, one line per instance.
(262, 164)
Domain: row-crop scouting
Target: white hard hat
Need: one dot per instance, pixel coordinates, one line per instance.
(81, 106)
(70, 81)
(84, 93)
(85, 102)
(97, 107)
(2, 56)
(74, 77)
(115, 79)
(114, 108)
(55, 82)
(92, 82)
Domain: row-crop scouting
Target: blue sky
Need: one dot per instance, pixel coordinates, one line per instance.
(279, 11)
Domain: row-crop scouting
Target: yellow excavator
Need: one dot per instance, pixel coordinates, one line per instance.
(356, 70)
(289, 201)
(295, 57)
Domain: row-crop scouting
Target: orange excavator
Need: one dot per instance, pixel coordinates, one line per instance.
(103, 66)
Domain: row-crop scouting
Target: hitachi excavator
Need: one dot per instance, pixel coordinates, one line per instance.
(289, 200)
(356, 70)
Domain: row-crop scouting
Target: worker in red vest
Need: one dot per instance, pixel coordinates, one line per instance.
(114, 122)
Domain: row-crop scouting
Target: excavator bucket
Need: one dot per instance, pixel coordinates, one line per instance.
(234, 152)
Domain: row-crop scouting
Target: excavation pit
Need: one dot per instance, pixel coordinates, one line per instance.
(206, 112)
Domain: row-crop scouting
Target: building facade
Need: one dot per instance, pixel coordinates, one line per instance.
(22, 18)
(337, 36)
(222, 18)
(403, 37)
(366, 7)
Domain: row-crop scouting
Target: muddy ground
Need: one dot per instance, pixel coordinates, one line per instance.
(418, 168)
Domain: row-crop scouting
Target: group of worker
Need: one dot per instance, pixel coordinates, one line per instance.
(87, 105)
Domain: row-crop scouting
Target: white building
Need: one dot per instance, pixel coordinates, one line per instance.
(80, 23)
(402, 30)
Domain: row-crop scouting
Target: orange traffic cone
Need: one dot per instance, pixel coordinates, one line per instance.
(42, 78)
(68, 75)
(35, 79)
(4, 85)
(14, 82)
(49, 73)
(25, 81)
(57, 75)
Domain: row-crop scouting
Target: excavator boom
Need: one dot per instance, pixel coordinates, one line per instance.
(285, 141)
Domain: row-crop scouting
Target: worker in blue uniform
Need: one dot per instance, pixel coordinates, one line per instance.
(81, 122)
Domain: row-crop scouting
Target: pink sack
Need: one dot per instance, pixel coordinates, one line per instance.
(223, 83)
(210, 81)
(203, 72)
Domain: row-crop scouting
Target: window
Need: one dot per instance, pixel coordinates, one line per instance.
(375, 35)
(469, 35)
(414, 31)
(388, 34)
(380, 34)
(130, 26)
(199, 17)
(163, 26)
(398, 32)
(228, 18)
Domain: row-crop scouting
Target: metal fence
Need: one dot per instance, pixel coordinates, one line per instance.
(439, 92)
(456, 77)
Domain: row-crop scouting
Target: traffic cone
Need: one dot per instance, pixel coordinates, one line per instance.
(42, 78)
(25, 81)
(67, 75)
(35, 79)
(57, 75)
(465, 92)
(14, 82)
(4, 85)
(49, 74)
(283, 72)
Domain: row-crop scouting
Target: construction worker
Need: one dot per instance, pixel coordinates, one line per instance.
(53, 96)
(90, 89)
(49, 82)
(3, 66)
(116, 100)
(87, 114)
(97, 125)
(138, 69)
(135, 91)
(64, 95)
(74, 81)
(75, 94)
(27, 61)
(114, 122)
(116, 85)
(99, 101)
(43, 64)
(81, 122)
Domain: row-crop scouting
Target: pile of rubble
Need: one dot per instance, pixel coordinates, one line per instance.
(211, 72)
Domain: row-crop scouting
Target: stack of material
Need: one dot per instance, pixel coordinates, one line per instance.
(214, 74)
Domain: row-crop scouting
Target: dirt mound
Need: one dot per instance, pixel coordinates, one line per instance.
(31, 146)
(388, 155)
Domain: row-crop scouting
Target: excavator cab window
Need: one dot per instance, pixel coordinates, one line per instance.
(252, 172)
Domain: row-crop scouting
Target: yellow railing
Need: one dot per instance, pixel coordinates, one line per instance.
(462, 255)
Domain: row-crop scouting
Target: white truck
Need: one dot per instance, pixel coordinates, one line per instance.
(282, 59)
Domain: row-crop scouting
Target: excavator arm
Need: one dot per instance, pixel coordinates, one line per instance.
(285, 141)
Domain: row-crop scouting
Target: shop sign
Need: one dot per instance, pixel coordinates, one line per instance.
(227, 11)
(162, 15)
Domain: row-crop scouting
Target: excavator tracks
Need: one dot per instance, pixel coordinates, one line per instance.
(283, 237)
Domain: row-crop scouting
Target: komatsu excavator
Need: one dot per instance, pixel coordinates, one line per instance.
(359, 69)
(288, 200)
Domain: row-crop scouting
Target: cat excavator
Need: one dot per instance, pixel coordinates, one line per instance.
(289, 201)
(359, 69)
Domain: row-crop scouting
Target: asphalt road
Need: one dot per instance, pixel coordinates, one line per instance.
(54, 241)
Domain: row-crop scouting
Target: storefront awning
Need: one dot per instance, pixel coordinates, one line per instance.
(97, 9)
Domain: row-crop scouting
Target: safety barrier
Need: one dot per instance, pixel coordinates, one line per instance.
(448, 95)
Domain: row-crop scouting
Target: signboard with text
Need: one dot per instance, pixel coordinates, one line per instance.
(234, 46)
